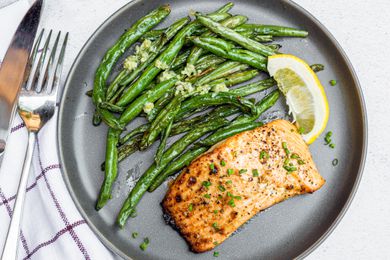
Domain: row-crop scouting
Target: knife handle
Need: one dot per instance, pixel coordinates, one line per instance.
(10, 250)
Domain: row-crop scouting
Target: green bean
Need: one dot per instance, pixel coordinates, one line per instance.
(234, 36)
(89, 93)
(254, 87)
(317, 67)
(96, 118)
(241, 122)
(209, 61)
(150, 96)
(125, 77)
(136, 131)
(126, 150)
(235, 78)
(180, 60)
(212, 99)
(111, 107)
(272, 30)
(153, 35)
(176, 165)
(164, 59)
(263, 38)
(275, 47)
(110, 119)
(161, 122)
(163, 143)
(111, 168)
(146, 179)
(226, 69)
(231, 22)
(235, 54)
(125, 41)
(160, 104)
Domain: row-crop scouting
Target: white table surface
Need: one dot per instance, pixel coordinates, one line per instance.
(362, 28)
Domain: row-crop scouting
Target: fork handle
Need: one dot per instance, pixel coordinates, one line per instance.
(11, 243)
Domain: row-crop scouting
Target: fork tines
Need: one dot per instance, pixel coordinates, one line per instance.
(46, 63)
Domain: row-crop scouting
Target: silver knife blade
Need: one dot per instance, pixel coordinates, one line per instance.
(13, 67)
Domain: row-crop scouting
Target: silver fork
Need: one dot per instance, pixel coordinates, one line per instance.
(36, 106)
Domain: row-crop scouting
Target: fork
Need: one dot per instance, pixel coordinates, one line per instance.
(36, 106)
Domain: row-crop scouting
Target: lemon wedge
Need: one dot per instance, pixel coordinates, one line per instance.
(304, 93)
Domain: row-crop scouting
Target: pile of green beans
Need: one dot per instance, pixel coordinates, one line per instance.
(183, 83)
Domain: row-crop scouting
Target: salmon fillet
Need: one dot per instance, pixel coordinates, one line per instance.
(237, 178)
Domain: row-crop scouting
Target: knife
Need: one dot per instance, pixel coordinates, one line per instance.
(13, 68)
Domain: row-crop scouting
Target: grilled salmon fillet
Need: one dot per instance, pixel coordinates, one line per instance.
(237, 178)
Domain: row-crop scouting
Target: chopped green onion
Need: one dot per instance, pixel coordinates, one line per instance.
(206, 196)
(229, 182)
(332, 145)
(243, 171)
(215, 225)
(301, 162)
(301, 130)
(212, 166)
(264, 154)
(289, 168)
(223, 163)
(255, 173)
(333, 82)
(190, 207)
(134, 235)
(206, 184)
(231, 203)
(221, 188)
(230, 172)
(294, 156)
(216, 254)
(144, 244)
(286, 150)
(215, 211)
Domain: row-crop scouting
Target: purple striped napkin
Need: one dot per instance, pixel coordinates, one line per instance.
(52, 227)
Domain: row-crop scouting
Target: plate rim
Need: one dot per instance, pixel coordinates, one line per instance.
(362, 106)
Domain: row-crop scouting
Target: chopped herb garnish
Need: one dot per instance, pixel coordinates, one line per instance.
(335, 162)
(216, 254)
(229, 182)
(243, 171)
(230, 172)
(301, 162)
(134, 235)
(212, 166)
(301, 130)
(333, 82)
(289, 168)
(215, 211)
(221, 188)
(223, 163)
(255, 173)
(215, 243)
(144, 244)
(237, 197)
(220, 196)
(332, 145)
(190, 207)
(215, 225)
(206, 184)
(286, 162)
(294, 156)
(206, 196)
(231, 203)
(264, 155)
(286, 150)
(327, 138)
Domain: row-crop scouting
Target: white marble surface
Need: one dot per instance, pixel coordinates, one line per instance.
(362, 28)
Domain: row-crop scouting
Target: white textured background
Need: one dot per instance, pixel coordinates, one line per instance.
(362, 28)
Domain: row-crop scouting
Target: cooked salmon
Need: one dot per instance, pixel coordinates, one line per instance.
(249, 172)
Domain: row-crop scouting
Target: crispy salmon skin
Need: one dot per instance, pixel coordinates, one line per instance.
(237, 178)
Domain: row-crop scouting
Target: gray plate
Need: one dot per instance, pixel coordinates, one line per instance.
(290, 229)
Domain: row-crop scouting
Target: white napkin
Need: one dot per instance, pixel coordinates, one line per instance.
(52, 227)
